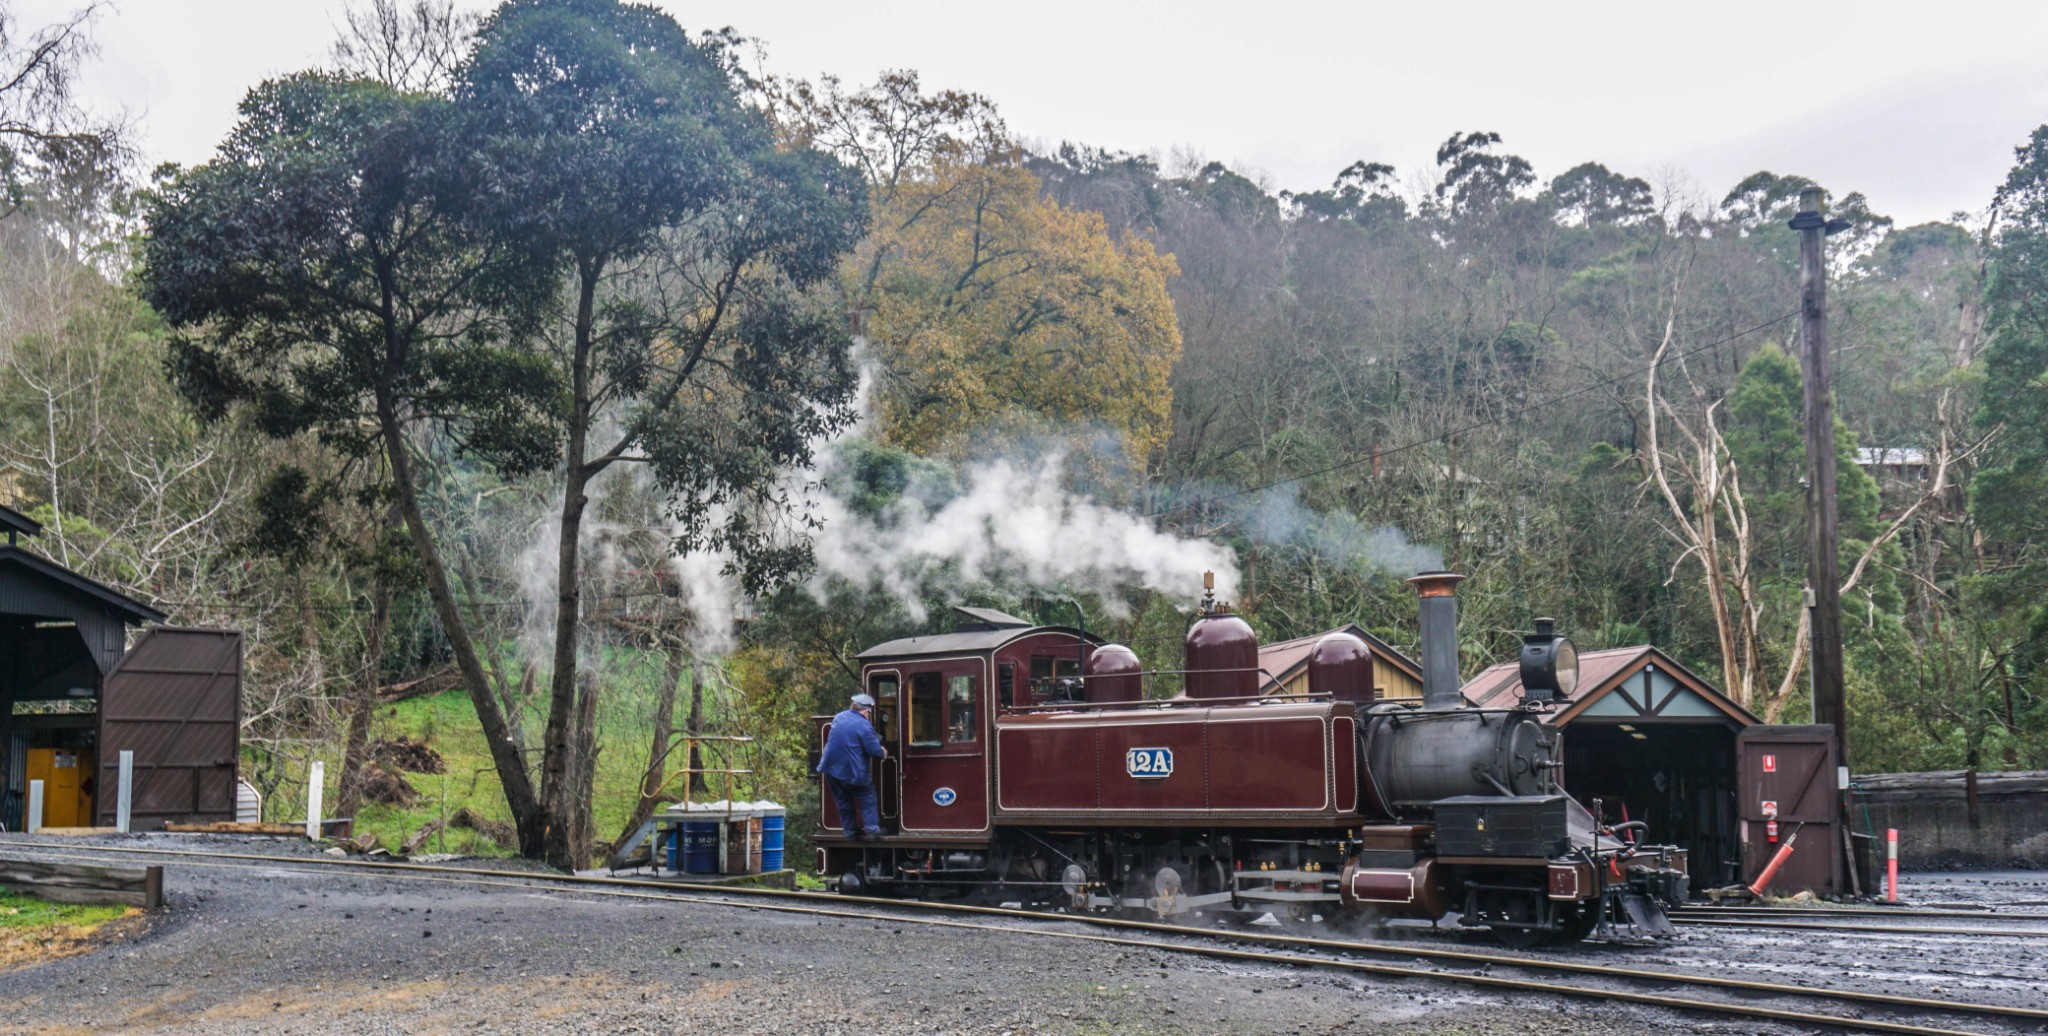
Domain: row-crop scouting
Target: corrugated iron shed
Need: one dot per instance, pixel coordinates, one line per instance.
(175, 701)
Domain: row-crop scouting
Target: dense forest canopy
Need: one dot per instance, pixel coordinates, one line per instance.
(561, 355)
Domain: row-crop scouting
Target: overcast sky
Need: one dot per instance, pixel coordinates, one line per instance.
(1917, 105)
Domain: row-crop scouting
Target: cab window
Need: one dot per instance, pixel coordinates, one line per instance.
(963, 719)
(927, 711)
(887, 701)
(1047, 668)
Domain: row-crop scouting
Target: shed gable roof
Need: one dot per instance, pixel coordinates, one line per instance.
(1283, 659)
(34, 570)
(18, 524)
(1606, 689)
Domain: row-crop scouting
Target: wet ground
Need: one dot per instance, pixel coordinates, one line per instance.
(280, 950)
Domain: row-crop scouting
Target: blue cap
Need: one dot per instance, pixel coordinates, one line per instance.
(864, 701)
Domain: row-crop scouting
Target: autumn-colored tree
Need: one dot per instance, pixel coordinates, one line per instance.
(985, 303)
(994, 304)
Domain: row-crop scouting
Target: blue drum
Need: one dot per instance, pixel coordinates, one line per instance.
(700, 847)
(772, 822)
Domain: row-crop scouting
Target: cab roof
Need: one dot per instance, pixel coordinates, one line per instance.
(967, 642)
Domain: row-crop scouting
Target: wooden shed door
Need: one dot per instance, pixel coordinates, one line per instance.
(176, 702)
(1788, 774)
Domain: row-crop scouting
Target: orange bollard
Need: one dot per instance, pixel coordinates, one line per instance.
(1763, 881)
(1891, 865)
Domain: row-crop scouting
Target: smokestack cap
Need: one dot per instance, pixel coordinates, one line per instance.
(1435, 584)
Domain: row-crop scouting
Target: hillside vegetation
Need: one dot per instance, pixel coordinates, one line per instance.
(641, 395)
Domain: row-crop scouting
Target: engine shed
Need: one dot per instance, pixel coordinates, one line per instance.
(74, 695)
(1653, 742)
(1395, 676)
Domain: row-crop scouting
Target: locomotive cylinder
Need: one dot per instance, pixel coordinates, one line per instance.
(1415, 892)
(1113, 675)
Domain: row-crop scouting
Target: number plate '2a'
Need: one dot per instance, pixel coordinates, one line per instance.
(1149, 763)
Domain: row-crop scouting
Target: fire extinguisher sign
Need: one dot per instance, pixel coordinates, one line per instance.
(1770, 764)
(1770, 807)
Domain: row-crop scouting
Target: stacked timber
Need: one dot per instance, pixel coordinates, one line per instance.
(85, 883)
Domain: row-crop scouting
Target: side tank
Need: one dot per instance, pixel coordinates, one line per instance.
(1412, 757)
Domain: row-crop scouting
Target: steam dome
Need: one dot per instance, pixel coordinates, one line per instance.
(1340, 665)
(1112, 675)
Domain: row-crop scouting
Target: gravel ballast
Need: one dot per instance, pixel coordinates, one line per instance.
(274, 949)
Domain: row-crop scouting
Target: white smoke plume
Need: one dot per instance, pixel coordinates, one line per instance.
(1014, 518)
(1276, 516)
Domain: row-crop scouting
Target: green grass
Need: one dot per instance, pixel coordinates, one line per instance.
(23, 912)
(447, 723)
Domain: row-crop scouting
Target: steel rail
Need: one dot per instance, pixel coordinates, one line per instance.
(1875, 913)
(1883, 929)
(722, 896)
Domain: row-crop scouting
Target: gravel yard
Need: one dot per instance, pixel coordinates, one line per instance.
(279, 950)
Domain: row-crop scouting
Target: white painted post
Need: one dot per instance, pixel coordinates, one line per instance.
(313, 788)
(125, 792)
(32, 821)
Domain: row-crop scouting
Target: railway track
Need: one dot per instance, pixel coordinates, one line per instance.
(1878, 929)
(1466, 967)
(1872, 921)
(1873, 913)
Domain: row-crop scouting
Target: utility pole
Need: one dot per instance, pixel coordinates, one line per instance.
(1823, 553)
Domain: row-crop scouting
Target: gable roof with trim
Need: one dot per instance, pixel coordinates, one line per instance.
(1283, 659)
(16, 524)
(1637, 683)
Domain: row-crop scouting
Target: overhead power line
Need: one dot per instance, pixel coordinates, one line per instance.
(1419, 443)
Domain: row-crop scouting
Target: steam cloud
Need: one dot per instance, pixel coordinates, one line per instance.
(1014, 518)
(1276, 516)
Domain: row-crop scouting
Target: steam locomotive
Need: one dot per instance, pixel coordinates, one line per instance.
(1026, 764)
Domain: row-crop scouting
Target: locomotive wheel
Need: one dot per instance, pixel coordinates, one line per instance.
(1166, 889)
(1074, 881)
(1573, 925)
(1529, 908)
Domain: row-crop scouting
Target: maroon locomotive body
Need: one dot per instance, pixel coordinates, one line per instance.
(1027, 764)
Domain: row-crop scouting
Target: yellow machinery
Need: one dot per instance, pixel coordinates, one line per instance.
(67, 795)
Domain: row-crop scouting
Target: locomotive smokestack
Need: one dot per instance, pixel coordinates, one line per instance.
(1438, 594)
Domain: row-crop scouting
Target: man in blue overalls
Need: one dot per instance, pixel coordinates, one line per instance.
(844, 763)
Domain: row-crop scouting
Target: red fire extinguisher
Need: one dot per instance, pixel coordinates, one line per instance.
(1771, 830)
